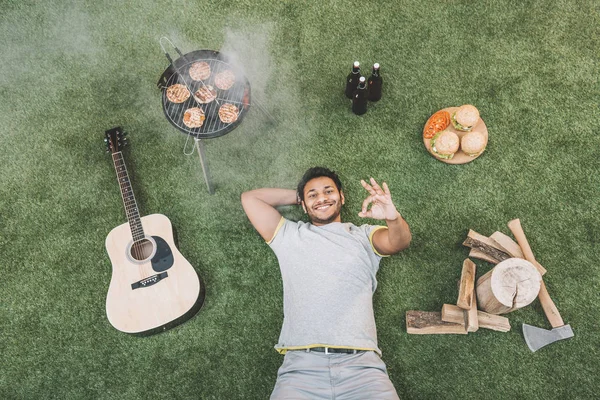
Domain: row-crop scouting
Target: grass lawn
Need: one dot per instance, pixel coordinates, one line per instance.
(71, 70)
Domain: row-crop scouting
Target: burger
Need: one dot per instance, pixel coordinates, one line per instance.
(444, 144)
(465, 118)
(194, 117)
(205, 94)
(473, 143)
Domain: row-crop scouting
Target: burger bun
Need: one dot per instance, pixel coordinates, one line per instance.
(465, 118)
(444, 144)
(473, 143)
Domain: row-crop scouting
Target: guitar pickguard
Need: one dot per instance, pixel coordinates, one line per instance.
(163, 258)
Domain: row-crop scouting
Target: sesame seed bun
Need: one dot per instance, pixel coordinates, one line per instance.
(444, 144)
(465, 117)
(473, 143)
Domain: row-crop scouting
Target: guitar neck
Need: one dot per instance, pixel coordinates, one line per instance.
(131, 208)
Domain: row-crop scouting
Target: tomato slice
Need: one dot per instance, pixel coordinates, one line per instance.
(436, 123)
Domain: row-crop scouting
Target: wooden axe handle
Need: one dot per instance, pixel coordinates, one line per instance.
(547, 304)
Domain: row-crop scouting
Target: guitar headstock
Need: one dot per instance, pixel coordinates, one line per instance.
(115, 140)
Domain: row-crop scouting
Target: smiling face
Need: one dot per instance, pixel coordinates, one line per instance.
(322, 201)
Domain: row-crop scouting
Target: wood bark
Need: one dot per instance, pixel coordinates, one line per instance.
(474, 253)
(486, 245)
(510, 285)
(430, 322)
(506, 244)
(456, 315)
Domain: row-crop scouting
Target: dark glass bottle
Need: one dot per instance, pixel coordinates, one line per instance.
(375, 83)
(352, 79)
(359, 100)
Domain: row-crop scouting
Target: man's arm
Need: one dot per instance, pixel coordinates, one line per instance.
(394, 239)
(397, 237)
(260, 204)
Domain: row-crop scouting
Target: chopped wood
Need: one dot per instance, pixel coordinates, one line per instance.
(467, 285)
(506, 244)
(430, 323)
(474, 253)
(472, 318)
(456, 315)
(486, 245)
(510, 285)
(511, 247)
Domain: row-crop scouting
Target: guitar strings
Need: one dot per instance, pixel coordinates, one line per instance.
(135, 247)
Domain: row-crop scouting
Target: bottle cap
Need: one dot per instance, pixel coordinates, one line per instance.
(376, 65)
(356, 64)
(362, 79)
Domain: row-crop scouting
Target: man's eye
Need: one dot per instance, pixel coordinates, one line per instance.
(310, 196)
(329, 191)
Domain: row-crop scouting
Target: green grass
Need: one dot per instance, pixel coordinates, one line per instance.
(70, 70)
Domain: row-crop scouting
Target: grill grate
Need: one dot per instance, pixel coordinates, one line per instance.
(178, 73)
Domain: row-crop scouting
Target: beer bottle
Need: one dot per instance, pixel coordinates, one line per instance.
(359, 100)
(352, 79)
(375, 82)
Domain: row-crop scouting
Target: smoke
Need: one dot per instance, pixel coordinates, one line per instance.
(276, 120)
(248, 51)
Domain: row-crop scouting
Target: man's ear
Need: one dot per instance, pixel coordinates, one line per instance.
(303, 206)
(343, 198)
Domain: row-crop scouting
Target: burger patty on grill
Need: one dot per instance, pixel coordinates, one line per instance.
(200, 71)
(228, 113)
(177, 93)
(224, 80)
(193, 117)
(205, 94)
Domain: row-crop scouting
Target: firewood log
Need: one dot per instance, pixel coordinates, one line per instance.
(510, 285)
(486, 245)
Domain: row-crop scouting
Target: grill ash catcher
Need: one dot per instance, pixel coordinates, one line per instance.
(213, 126)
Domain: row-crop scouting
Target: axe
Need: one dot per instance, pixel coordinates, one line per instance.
(536, 338)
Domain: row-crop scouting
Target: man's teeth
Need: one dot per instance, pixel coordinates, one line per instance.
(323, 207)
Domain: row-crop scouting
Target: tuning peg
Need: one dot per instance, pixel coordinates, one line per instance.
(105, 140)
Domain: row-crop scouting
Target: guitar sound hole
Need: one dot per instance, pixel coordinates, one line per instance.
(142, 249)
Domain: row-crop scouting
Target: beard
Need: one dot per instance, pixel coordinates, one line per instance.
(335, 208)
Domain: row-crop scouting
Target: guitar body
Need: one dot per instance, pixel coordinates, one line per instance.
(152, 290)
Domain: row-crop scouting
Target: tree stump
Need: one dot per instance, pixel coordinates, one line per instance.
(510, 285)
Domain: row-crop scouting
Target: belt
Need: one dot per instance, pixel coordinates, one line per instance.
(330, 350)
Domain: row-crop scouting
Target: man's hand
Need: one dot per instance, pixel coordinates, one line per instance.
(380, 199)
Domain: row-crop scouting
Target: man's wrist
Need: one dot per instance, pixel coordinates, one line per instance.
(396, 217)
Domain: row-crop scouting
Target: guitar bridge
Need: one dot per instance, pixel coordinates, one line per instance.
(149, 281)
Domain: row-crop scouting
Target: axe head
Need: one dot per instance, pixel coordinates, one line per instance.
(536, 338)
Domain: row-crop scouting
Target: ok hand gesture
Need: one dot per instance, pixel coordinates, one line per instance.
(380, 199)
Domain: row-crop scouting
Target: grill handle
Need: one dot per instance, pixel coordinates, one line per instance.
(165, 51)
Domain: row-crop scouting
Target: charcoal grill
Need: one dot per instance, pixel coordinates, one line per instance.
(213, 127)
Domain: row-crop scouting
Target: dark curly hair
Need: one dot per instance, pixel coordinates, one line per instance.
(317, 172)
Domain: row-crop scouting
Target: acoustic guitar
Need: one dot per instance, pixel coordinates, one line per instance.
(153, 287)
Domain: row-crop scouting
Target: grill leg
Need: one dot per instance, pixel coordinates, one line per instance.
(205, 171)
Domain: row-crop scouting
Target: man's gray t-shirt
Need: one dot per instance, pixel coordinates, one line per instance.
(328, 275)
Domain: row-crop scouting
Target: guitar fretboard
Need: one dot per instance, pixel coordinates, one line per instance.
(131, 208)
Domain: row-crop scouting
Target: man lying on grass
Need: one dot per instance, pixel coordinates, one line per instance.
(328, 269)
